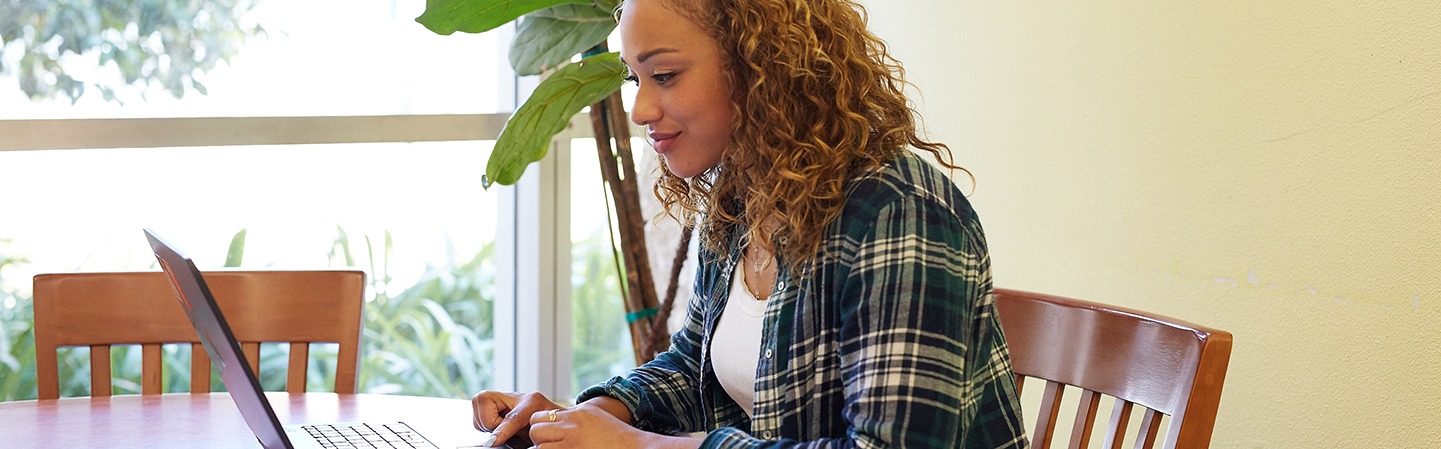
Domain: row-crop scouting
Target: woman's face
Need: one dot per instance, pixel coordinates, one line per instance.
(683, 100)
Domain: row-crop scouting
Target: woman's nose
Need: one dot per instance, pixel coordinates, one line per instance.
(645, 110)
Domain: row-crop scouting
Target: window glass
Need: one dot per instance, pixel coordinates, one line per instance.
(314, 57)
(414, 217)
(600, 337)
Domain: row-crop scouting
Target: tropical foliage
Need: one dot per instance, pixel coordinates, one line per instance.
(165, 43)
(599, 336)
(433, 338)
(17, 339)
(551, 32)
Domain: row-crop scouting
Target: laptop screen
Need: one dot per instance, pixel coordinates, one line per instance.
(220, 343)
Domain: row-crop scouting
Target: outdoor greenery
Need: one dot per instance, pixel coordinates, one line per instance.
(17, 341)
(168, 43)
(599, 335)
(550, 35)
(434, 338)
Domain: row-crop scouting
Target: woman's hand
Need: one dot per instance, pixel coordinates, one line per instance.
(585, 426)
(508, 415)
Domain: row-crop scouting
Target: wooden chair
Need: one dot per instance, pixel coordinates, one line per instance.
(1166, 366)
(140, 308)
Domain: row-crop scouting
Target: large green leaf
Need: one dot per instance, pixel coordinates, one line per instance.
(549, 37)
(527, 134)
(479, 16)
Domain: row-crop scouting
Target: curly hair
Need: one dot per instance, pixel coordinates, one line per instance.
(817, 99)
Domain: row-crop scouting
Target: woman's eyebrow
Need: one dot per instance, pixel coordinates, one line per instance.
(648, 54)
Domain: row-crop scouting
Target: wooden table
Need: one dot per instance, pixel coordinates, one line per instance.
(188, 421)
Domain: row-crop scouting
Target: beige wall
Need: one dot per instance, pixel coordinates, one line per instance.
(1268, 168)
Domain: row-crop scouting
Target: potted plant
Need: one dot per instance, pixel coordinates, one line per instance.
(549, 35)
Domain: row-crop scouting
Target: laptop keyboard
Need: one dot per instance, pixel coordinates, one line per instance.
(366, 435)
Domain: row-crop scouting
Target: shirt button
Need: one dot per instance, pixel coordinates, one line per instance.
(781, 286)
(766, 435)
(768, 355)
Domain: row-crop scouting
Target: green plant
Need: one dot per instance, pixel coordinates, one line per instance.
(433, 338)
(550, 34)
(17, 337)
(599, 344)
(170, 43)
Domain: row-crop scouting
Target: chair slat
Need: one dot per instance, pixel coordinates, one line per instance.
(1049, 410)
(97, 310)
(299, 364)
(47, 369)
(100, 370)
(1116, 429)
(151, 371)
(199, 369)
(252, 354)
(345, 372)
(1085, 419)
(1164, 365)
(1150, 427)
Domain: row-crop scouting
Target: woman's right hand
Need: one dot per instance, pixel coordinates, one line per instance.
(507, 415)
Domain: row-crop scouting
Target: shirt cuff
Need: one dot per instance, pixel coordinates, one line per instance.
(627, 393)
(728, 438)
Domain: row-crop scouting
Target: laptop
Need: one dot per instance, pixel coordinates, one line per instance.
(240, 380)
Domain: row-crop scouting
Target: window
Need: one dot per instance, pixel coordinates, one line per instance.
(347, 136)
(601, 346)
(388, 209)
(314, 58)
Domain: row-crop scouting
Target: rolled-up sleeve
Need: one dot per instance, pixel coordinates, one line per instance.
(663, 394)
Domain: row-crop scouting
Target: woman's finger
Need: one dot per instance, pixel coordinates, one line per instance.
(488, 407)
(546, 416)
(517, 419)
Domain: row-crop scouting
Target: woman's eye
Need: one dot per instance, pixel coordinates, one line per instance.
(659, 78)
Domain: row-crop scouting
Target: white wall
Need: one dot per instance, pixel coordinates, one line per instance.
(1268, 168)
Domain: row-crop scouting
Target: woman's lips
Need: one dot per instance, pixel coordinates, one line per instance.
(662, 142)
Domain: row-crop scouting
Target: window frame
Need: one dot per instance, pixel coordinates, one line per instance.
(532, 312)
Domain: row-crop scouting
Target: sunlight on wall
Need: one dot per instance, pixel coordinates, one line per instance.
(1267, 169)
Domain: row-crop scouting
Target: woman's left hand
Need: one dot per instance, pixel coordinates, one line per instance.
(583, 426)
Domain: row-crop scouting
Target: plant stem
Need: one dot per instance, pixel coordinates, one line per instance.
(618, 169)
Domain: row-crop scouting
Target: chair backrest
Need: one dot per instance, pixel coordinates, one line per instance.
(140, 308)
(1166, 366)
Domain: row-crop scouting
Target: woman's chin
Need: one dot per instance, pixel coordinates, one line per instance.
(680, 169)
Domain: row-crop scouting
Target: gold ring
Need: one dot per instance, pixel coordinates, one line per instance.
(554, 416)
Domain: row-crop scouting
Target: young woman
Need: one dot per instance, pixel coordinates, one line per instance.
(843, 294)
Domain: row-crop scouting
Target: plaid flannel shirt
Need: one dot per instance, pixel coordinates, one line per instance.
(889, 340)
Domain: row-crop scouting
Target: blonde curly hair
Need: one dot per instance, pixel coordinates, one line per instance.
(817, 99)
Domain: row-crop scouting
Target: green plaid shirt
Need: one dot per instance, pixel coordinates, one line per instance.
(889, 340)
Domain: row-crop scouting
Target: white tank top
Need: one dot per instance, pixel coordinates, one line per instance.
(736, 345)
